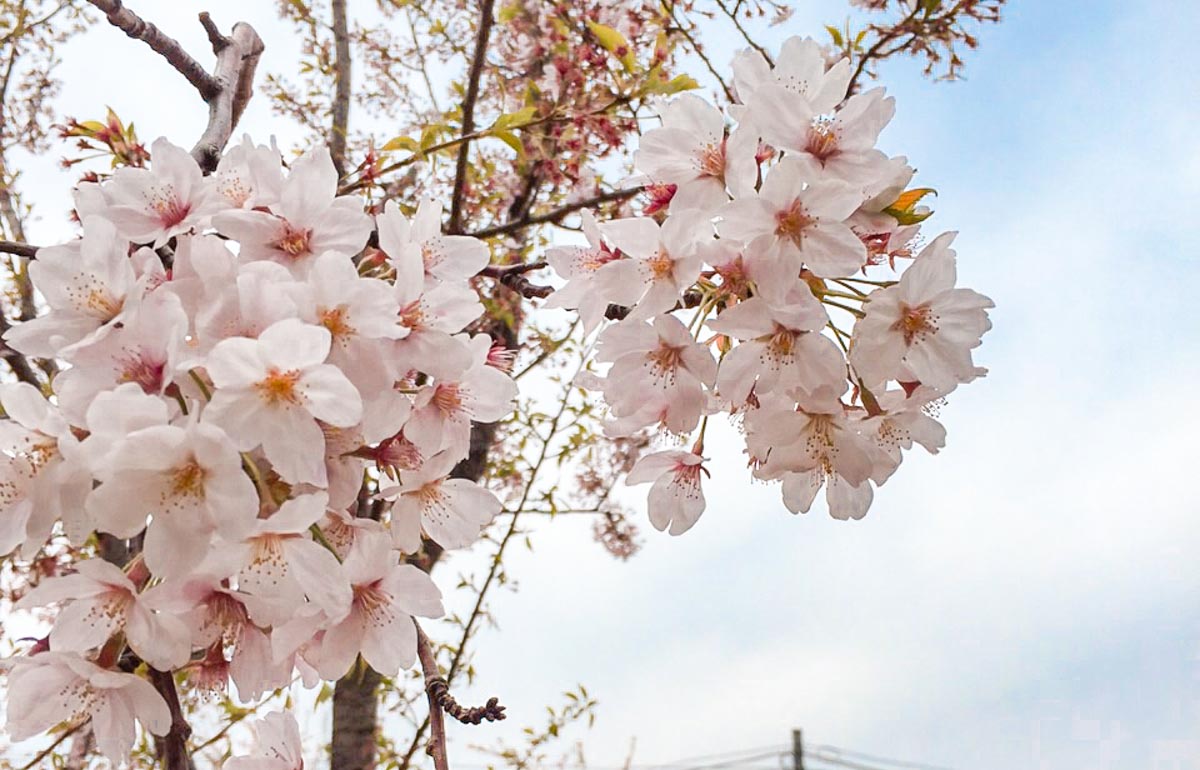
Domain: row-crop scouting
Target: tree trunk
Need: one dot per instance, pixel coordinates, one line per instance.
(354, 720)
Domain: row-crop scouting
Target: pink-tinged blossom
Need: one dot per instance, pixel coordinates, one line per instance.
(691, 151)
(190, 479)
(101, 600)
(56, 687)
(432, 317)
(361, 315)
(245, 303)
(170, 198)
(800, 69)
(387, 595)
(283, 565)
(840, 145)
(452, 512)
(443, 411)
(271, 392)
(810, 444)
(277, 745)
(580, 266)
(906, 420)
(676, 499)
(85, 282)
(421, 254)
(795, 220)
(781, 348)
(45, 475)
(664, 261)
(309, 219)
(922, 328)
(250, 176)
(656, 364)
(146, 350)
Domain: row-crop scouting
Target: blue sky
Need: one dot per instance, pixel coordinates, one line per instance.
(1028, 598)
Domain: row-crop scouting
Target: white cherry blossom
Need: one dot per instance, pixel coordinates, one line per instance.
(271, 392)
(55, 687)
(170, 198)
(676, 499)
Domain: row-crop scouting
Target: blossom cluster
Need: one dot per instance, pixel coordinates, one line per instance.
(237, 360)
(774, 225)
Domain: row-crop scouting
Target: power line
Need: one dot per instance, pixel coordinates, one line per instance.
(825, 749)
(722, 756)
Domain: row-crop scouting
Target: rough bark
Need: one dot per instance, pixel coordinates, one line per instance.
(355, 715)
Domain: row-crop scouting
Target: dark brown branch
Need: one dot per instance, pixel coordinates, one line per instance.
(513, 276)
(355, 716)
(556, 215)
(16, 361)
(468, 113)
(437, 723)
(20, 249)
(341, 95)
(172, 747)
(688, 300)
(438, 689)
(137, 28)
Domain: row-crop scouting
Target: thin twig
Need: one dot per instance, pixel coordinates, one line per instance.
(35, 762)
(436, 721)
(513, 276)
(874, 50)
(468, 113)
(555, 215)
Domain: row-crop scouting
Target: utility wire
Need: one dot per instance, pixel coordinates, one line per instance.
(822, 750)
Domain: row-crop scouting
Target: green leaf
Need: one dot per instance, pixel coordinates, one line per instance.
(521, 117)
(836, 35)
(613, 42)
(401, 143)
(673, 86)
(509, 138)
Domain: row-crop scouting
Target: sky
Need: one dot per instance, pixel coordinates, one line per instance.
(1027, 599)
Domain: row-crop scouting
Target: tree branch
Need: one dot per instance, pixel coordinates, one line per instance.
(555, 215)
(226, 90)
(342, 86)
(137, 28)
(237, 59)
(513, 276)
(437, 722)
(468, 113)
(173, 749)
(20, 249)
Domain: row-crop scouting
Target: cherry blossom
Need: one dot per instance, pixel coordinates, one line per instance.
(169, 199)
(85, 283)
(798, 220)
(450, 511)
(271, 392)
(101, 600)
(676, 499)
(923, 323)
(421, 254)
(190, 478)
(54, 687)
(580, 266)
(309, 219)
(277, 745)
(379, 625)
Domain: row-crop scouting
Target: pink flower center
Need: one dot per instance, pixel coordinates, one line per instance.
(822, 141)
(711, 160)
(664, 360)
(448, 398)
(138, 366)
(661, 265)
(293, 241)
(187, 480)
(169, 208)
(916, 323)
(790, 223)
(336, 321)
